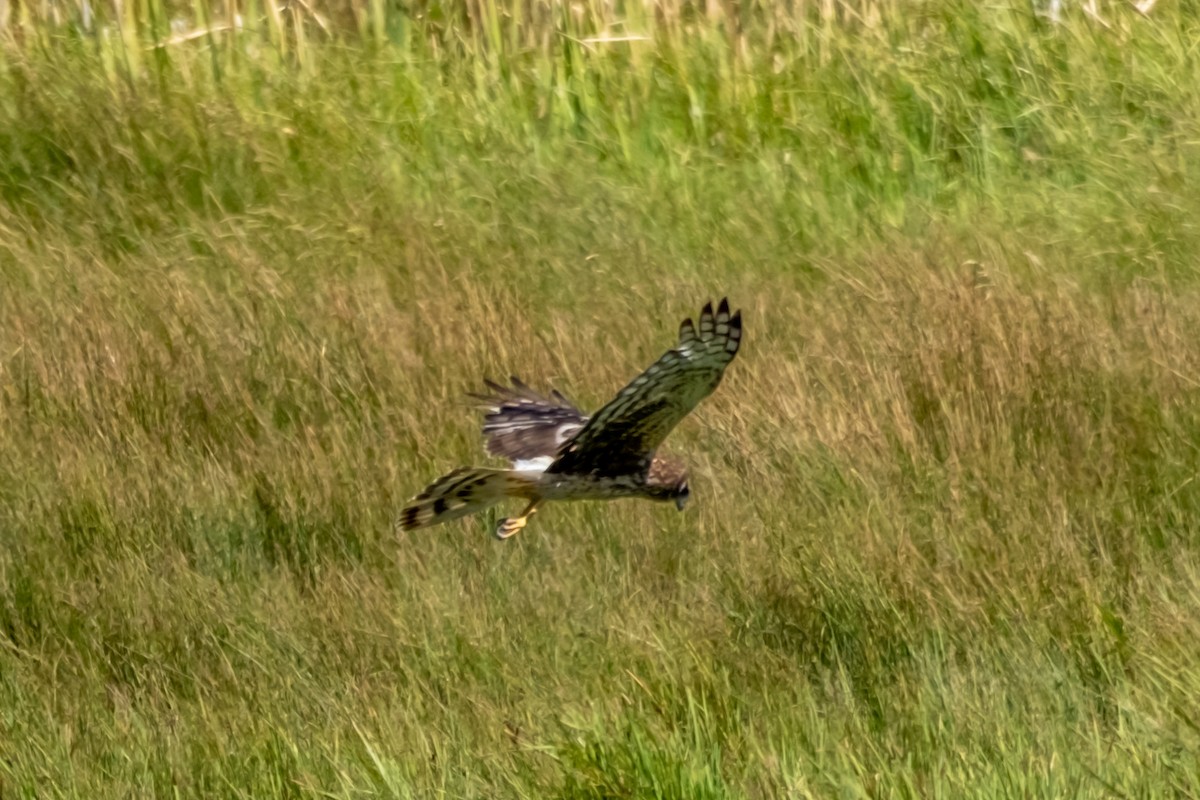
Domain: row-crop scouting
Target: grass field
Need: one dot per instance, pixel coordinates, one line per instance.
(944, 538)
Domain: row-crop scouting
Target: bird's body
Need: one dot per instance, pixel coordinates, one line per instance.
(557, 453)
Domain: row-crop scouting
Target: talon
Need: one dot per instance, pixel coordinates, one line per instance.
(510, 526)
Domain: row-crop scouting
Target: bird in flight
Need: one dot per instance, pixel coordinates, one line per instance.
(557, 453)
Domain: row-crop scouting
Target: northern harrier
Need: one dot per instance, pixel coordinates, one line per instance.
(559, 454)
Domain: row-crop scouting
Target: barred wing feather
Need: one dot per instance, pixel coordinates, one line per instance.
(620, 438)
(526, 426)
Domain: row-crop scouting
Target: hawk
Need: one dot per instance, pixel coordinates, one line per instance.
(557, 453)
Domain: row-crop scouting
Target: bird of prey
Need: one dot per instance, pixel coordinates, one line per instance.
(557, 453)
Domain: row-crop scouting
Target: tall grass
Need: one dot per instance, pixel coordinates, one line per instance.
(943, 540)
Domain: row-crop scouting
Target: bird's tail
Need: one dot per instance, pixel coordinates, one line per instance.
(467, 490)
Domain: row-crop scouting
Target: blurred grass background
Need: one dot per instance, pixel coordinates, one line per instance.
(943, 540)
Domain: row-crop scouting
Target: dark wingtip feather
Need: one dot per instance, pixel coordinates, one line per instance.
(496, 393)
(735, 332)
(723, 308)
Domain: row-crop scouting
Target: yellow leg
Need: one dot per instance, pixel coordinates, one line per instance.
(511, 526)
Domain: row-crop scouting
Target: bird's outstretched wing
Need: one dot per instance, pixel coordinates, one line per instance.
(526, 427)
(620, 439)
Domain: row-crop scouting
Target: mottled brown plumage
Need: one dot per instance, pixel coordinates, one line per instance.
(560, 454)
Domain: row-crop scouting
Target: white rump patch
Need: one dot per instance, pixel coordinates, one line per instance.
(539, 464)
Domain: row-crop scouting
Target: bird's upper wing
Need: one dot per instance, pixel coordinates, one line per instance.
(525, 426)
(621, 438)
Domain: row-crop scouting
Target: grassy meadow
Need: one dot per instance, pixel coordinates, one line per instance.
(944, 538)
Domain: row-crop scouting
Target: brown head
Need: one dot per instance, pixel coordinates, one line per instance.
(667, 479)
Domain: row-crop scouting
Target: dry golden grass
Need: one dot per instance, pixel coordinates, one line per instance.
(912, 462)
(943, 533)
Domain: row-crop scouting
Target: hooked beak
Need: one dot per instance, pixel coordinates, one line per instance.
(681, 501)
